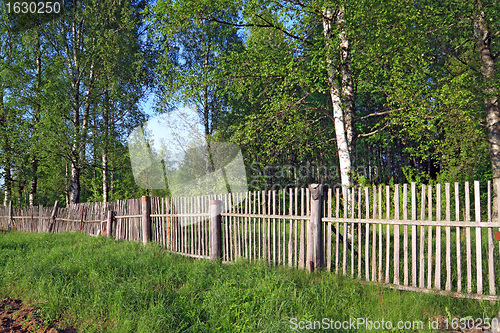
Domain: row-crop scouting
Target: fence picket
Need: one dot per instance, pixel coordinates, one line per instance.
(429, 238)
(414, 235)
(491, 247)
(457, 231)
(380, 236)
(422, 240)
(360, 235)
(396, 234)
(388, 232)
(468, 239)
(479, 255)
(405, 235)
(344, 228)
(329, 232)
(437, 277)
(448, 239)
(367, 236)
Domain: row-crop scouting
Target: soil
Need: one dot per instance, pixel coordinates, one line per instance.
(15, 317)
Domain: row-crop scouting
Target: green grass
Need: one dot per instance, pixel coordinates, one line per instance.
(99, 284)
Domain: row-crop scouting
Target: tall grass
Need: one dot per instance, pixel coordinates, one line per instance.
(98, 284)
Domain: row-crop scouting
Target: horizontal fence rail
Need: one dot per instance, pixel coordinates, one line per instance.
(429, 238)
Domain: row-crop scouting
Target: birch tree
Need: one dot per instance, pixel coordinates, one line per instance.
(486, 33)
(96, 43)
(340, 79)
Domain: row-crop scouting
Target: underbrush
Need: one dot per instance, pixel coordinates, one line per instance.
(99, 284)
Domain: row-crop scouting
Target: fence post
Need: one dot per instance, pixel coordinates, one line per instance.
(10, 215)
(146, 219)
(40, 225)
(109, 224)
(53, 216)
(215, 230)
(315, 242)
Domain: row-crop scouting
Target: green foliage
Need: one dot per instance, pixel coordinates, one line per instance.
(256, 72)
(413, 175)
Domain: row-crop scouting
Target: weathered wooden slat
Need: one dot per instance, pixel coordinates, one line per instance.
(388, 232)
(192, 225)
(278, 232)
(329, 232)
(422, 240)
(429, 243)
(248, 233)
(284, 228)
(367, 236)
(260, 226)
(290, 236)
(468, 239)
(396, 234)
(344, 228)
(231, 226)
(491, 247)
(380, 236)
(302, 232)
(374, 239)
(448, 238)
(457, 231)
(353, 231)
(479, 243)
(255, 239)
(360, 234)
(437, 276)
(295, 224)
(337, 233)
(498, 209)
(414, 235)
(274, 230)
(405, 235)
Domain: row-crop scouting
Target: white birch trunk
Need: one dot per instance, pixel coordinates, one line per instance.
(491, 104)
(341, 93)
(105, 189)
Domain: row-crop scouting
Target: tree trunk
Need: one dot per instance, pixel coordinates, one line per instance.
(36, 119)
(206, 114)
(7, 183)
(491, 92)
(105, 189)
(6, 152)
(341, 91)
(111, 179)
(34, 181)
(74, 186)
(67, 184)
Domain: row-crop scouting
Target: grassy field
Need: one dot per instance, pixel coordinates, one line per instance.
(98, 284)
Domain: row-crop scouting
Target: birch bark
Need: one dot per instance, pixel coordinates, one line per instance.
(341, 89)
(491, 106)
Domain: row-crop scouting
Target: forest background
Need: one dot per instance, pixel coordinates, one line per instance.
(361, 91)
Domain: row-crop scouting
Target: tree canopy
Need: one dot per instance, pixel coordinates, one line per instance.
(342, 92)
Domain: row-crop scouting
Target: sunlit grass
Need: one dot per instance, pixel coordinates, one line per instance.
(99, 284)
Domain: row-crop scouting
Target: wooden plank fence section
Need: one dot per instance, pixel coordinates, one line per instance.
(364, 232)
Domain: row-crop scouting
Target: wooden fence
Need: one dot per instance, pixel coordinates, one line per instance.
(407, 237)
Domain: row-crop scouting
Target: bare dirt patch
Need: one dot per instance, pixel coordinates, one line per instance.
(14, 317)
